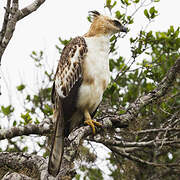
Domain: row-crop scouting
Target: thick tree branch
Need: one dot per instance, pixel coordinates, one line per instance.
(45, 128)
(40, 129)
(10, 27)
(6, 16)
(15, 176)
(29, 165)
(30, 8)
(36, 167)
(32, 163)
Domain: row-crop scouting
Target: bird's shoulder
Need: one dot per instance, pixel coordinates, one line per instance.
(70, 65)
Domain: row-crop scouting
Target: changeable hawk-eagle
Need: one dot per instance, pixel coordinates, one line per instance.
(81, 78)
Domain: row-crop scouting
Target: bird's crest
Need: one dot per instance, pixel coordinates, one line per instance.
(94, 13)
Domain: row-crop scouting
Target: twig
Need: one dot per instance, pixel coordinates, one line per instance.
(139, 160)
(124, 144)
(157, 130)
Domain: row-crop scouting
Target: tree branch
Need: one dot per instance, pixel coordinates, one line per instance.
(139, 160)
(152, 96)
(11, 176)
(6, 16)
(36, 167)
(29, 165)
(157, 130)
(9, 23)
(40, 129)
(10, 27)
(30, 8)
(124, 144)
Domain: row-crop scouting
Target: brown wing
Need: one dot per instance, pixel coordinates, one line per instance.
(68, 79)
(70, 66)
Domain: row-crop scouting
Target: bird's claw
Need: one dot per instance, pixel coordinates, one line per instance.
(92, 123)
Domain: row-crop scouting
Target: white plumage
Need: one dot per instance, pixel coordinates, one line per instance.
(97, 63)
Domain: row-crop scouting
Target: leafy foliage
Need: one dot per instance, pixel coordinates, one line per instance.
(7, 110)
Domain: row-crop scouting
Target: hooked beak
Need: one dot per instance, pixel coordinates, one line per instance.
(123, 29)
(120, 26)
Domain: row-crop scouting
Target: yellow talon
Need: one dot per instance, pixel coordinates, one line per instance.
(90, 121)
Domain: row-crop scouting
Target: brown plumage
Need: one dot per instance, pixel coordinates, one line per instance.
(67, 80)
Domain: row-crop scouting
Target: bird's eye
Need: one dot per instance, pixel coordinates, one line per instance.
(116, 23)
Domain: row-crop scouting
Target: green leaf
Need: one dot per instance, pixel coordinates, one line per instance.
(78, 176)
(118, 14)
(28, 98)
(112, 88)
(122, 1)
(153, 12)
(64, 42)
(21, 87)
(112, 38)
(27, 118)
(108, 3)
(15, 123)
(122, 111)
(146, 13)
(34, 53)
(127, 2)
(149, 34)
(115, 2)
(130, 20)
(41, 53)
(36, 121)
(47, 110)
(172, 29)
(7, 110)
(136, 1)
(25, 149)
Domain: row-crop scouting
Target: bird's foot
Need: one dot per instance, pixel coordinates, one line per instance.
(92, 123)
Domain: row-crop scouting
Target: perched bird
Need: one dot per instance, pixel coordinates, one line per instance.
(81, 78)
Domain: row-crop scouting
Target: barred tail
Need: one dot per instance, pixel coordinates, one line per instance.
(57, 148)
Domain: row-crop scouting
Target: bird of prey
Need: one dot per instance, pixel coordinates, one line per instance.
(81, 78)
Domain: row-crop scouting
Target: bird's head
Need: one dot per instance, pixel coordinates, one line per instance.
(104, 25)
